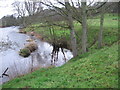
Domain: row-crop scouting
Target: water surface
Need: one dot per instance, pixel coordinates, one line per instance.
(11, 42)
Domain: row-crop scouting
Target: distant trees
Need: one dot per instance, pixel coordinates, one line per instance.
(20, 11)
(9, 21)
(26, 9)
(32, 7)
(19, 8)
(112, 7)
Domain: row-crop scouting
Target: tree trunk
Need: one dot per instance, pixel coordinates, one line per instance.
(101, 30)
(23, 22)
(84, 27)
(72, 31)
(72, 36)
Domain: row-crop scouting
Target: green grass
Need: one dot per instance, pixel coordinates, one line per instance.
(110, 32)
(98, 70)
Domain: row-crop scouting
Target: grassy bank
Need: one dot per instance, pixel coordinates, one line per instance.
(110, 33)
(98, 70)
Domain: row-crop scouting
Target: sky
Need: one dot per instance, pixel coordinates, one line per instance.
(6, 7)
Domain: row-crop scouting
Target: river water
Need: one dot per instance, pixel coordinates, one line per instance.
(11, 42)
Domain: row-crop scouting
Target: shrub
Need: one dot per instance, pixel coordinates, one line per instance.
(25, 52)
(28, 49)
(32, 46)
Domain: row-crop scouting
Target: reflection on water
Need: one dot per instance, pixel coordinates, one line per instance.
(11, 42)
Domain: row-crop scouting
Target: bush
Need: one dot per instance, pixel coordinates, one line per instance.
(25, 52)
(28, 49)
(31, 46)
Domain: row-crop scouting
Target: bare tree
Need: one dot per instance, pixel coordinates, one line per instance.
(66, 13)
(79, 12)
(71, 26)
(32, 7)
(26, 10)
(19, 7)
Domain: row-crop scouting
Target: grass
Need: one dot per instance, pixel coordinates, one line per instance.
(110, 33)
(98, 70)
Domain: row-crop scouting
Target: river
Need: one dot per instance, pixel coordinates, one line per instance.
(11, 41)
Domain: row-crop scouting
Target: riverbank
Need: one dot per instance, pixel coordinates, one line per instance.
(110, 33)
(10, 44)
(97, 70)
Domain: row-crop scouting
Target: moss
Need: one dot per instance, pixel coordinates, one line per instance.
(25, 52)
